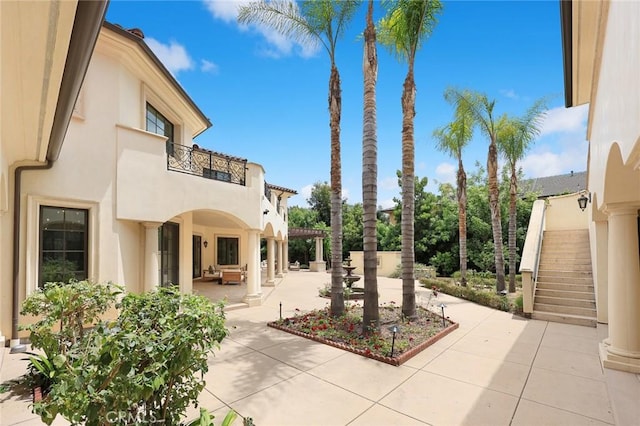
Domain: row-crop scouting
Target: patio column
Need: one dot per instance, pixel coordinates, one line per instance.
(318, 265)
(285, 256)
(279, 268)
(319, 248)
(271, 248)
(621, 351)
(254, 291)
(151, 256)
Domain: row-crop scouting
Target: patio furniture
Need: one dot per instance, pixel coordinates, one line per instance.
(294, 266)
(231, 276)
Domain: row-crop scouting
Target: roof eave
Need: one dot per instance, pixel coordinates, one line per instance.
(566, 23)
(121, 31)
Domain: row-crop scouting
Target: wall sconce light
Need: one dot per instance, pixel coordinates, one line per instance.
(266, 211)
(205, 244)
(582, 201)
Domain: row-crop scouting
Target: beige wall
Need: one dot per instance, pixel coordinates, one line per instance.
(115, 169)
(30, 75)
(387, 262)
(616, 108)
(563, 213)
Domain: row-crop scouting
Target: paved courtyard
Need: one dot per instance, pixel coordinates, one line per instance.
(495, 369)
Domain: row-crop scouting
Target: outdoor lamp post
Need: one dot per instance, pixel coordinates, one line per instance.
(442, 306)
(394, 329)
(280, 310)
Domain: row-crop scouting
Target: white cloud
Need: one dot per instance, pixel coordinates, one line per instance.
(208, 66)
(509, 93)
(305, 191)
(345, 193)
(387, 204)
(173, 55)
(563, 120)
(389, 183)
(544, 162)
(225, 10)
(277, 44)
(446, 173)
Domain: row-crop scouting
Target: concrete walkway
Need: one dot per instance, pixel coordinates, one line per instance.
(496, 369)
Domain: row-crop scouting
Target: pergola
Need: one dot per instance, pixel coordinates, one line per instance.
(319, 235)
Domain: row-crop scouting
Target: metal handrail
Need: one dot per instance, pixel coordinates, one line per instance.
(206, 164)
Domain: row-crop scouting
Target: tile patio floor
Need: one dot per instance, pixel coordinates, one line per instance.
(496, 369)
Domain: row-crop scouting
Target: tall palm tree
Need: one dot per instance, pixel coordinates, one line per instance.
(371, 315)
(452, 139)
(324, 22)
(403, 30)
(481, 108)
(514, 140)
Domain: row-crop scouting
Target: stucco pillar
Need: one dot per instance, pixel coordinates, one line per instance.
(319, 247)
(254, 291)
(151, 256)
(600, 269)
(271, 260)
(318, 265)
(280, 260)
(621, 351)
(285, 256)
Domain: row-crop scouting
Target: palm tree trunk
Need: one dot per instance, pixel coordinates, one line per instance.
(494, 206)
(462, 221)
(408, 195)
(335, 108)
(513, 191)
(371, 315)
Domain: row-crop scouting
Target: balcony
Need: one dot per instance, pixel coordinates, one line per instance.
(207, 164)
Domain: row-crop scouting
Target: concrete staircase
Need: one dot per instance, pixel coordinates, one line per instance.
(564, 289)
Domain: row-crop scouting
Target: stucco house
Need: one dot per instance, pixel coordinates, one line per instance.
(581, 258)
(128, 196)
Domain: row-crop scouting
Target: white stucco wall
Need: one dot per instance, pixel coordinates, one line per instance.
(614, 119)
(563, 213)
(388, 261)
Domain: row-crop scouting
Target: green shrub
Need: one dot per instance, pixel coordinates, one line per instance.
(420, 271)
(144, 367)
(482, 297)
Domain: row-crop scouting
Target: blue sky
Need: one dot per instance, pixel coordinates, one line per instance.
(267, 96)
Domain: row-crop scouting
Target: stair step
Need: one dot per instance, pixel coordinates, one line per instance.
(551, 285)
(580, 303)
(567, 266)
(542, 272)
(582, 295)
(560, 309)
(586, 280)
(565, 318)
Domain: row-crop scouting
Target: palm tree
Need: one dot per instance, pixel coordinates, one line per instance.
(514, 140)
(324, 22)
(452, 139)
(406, 25)
(481, 109)
(371, 315)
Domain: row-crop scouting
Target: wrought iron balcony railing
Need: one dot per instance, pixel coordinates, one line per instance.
(208, 164)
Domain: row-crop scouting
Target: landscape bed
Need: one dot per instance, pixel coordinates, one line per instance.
(345, 332)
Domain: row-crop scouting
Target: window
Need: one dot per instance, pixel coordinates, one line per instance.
(63, 244)
(228, 251)
(169, 248)
(216, 174)
(158, 124)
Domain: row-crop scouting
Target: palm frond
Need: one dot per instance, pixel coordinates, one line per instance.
(284, 17)
(407, 24)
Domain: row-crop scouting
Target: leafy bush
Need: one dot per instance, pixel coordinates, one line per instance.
(139, 368)
(420, 271)
(485, 298)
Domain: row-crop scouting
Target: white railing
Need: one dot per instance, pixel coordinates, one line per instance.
(531, 254)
